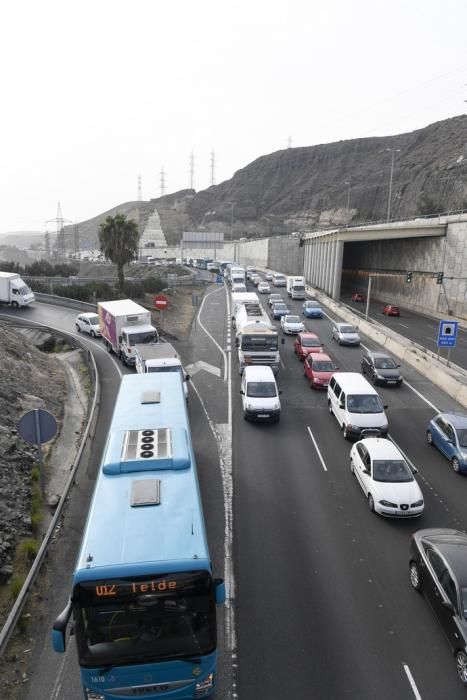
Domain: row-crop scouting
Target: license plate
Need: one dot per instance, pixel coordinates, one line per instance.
(263, 415)
(391, 381)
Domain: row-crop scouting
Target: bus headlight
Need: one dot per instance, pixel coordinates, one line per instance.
(203, 688)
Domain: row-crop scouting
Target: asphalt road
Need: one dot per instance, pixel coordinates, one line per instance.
(420, 329)
(320, 599)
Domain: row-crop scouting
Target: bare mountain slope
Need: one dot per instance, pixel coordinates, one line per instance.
(302, 188)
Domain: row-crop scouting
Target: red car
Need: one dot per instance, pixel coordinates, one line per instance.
(305, 343)
(391, 310)
(357, 297)
(318, 369)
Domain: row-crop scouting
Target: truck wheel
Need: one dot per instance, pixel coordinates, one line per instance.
(15, 304)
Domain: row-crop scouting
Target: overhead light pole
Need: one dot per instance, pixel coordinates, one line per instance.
(231, 221)
(347, 182)
(393, 151)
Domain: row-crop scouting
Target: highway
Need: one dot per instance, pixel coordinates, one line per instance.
(321, 601)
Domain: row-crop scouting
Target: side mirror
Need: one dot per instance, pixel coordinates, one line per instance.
(242, 392)
(280, 391)
(220, 590)
(385, 406)
(187, 377)
(59, 629)
(341, 404)
(236, 342)
(119, 338)
(282, 341)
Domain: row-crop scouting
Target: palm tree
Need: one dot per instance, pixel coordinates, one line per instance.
(118, 240)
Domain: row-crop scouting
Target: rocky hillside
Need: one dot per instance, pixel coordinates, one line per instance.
(29, 379)
(302, 188)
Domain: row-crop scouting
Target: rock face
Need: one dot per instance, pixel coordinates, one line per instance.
(28, 379)
(305, 188)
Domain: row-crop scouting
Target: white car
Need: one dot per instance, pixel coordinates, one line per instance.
(275, 299)
(263, 288)
(291, 324)
(88, 323)
(386, 478)
(268, 276)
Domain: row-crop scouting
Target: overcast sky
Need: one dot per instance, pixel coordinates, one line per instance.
(95, 93)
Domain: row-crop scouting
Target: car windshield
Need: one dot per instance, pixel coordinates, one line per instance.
(347, 329)
(311, 342)
(292, 319)
(364, 403)
(462, 436)
(261, 390)
(94, 320)
(394, 470)
(312, 305)
(385, 363)
(464, 601)
(280, 307)
(323, 366)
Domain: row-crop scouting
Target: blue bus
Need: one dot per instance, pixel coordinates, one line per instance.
(143, 595)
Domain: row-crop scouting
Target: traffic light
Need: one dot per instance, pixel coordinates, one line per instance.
(439, 279)
(408, 278)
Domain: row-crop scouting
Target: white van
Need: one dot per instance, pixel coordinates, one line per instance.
(357, 406)
(260, 397)
(279, 280)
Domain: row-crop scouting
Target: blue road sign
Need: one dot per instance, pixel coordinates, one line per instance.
(37, 426)
(447, 334)
(219, 279)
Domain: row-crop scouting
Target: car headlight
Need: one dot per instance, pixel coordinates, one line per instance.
(379, 376)
(355, 427)
(417, 504)
(317, 380)
(388, 504)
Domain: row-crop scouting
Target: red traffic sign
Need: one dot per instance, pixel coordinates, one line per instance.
(161, 302)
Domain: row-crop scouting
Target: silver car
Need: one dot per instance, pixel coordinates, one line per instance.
(88, 323)
(345, 334)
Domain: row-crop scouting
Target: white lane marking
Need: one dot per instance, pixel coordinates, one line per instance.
(317, 449)
(412, 682)
(403, 325)
(423, 398)
(200, 364)
(208, 333)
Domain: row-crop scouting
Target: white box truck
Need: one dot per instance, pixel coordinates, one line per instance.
(237, 275)
(123, 324)
(256, 339)
(160, 357)
(240, 298)
(14, 291)
(296, 287)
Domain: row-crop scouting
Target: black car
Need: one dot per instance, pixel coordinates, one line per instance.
(381, 368)
(438, 568)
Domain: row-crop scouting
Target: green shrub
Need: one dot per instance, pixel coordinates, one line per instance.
(35, 475)
(28, 548)
(16, 585)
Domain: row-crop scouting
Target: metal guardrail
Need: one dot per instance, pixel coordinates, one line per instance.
(20, 602)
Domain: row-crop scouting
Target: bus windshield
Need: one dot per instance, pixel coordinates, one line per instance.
(138, 620)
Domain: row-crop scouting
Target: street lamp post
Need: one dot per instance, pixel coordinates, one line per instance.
(347, 182)
(231, 221)
(392, 150)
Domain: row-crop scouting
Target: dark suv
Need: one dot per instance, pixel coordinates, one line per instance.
(381, 368)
